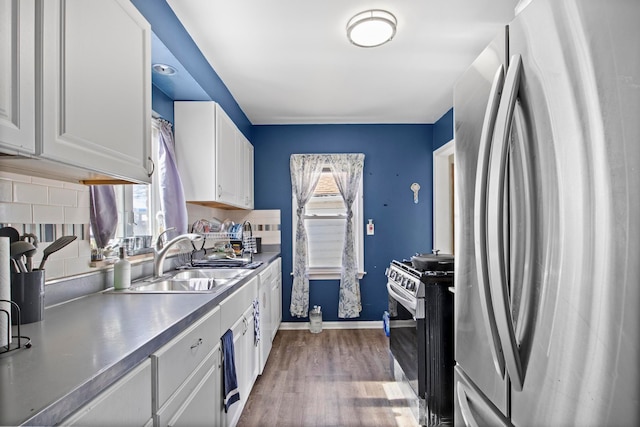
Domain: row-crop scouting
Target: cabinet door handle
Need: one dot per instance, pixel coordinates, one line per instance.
(246, 325)
(197, 344)
(153, 166)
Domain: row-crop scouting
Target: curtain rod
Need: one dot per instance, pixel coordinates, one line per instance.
(160, 119)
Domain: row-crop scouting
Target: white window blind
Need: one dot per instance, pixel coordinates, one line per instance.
(325, 216)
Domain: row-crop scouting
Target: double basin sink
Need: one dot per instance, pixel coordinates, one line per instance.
(204, 280)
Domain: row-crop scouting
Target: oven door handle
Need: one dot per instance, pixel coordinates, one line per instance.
(406, 303)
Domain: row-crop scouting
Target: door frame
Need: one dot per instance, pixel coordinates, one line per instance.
(443, 206)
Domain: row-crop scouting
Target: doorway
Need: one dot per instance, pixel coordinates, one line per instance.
(444, 198)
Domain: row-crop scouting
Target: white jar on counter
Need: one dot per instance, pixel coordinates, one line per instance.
(122, 271)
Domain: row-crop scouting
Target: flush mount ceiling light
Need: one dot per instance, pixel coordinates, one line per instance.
(164, 69)
(371, 28)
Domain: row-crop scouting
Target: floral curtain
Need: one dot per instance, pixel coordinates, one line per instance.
(305, 172)
(347, 172)
(172, 201)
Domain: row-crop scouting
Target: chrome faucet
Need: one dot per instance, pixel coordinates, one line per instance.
(161, 250)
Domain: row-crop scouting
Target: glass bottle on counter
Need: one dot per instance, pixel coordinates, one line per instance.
(122, 271)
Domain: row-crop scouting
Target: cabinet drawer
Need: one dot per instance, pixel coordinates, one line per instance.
(174, 362)
(125, 403)
(266, 275)
(197, 401)
(233, 306)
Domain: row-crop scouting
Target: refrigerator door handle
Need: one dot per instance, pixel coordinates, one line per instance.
(475, 408)
(522, 244)
(495, 214)
(480, 219)
(465, 409)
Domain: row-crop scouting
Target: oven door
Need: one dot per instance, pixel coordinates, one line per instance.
(407, 339)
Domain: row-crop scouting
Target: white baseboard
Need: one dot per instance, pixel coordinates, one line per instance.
(369, 324)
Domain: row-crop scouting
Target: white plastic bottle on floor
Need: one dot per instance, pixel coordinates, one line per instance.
(315, 320)
(122, 271)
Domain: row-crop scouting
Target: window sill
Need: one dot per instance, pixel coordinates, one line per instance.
(329, 274)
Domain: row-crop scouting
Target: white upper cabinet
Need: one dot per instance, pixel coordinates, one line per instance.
(17, 77)
(93, 77)
(226, 165)
(211, 156)
(96, 100)
(246, 180)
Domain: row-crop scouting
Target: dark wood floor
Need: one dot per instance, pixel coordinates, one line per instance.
(334, 378)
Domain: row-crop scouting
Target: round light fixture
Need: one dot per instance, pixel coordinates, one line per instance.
(371, 28)
(164, 69)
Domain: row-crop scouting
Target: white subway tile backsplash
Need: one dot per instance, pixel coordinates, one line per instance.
(69, 251)
(53, 269)
(49, 209)
(14, 176)
(79, 265)
(83, 199)
(48, 214)
(74, 186)
(46, 182)
(84, 246)
(30, 193)
(15, 213)
(63, 197)
(6, 190)
(76, 215)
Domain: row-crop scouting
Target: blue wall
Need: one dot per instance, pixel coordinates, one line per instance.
(443, 130)
(168, 28)
(395, 157)
(161, 104)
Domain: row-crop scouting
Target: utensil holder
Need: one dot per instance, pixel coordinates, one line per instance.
(27, 291)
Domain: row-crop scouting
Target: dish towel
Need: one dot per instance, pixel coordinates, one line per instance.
(256, 322)
(231, 393)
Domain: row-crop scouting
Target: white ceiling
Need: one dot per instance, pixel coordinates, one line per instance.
(289, 61)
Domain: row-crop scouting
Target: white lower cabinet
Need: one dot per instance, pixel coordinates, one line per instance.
(198, 401)
(266, 314)
(276, 296)
(270, 297)
(125, 403)
(187, 377)
(237, 315)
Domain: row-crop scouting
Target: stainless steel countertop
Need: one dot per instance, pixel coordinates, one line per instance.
(84, 345)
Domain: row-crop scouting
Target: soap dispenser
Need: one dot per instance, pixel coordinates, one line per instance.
(122, 271)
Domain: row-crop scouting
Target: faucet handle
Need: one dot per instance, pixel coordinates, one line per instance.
(159, 242)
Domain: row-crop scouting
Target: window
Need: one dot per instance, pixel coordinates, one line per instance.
(324, 217)
(139, 205)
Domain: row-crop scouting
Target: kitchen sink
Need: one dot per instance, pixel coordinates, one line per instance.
(211, 273)
(203, 280)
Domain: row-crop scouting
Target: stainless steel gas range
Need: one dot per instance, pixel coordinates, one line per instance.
(421, 338)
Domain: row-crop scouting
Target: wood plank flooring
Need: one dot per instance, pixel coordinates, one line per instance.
(334, 378)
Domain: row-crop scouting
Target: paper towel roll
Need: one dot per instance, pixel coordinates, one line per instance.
(5, 290)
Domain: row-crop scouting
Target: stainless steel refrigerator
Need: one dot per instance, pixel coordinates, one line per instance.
(547, 187)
